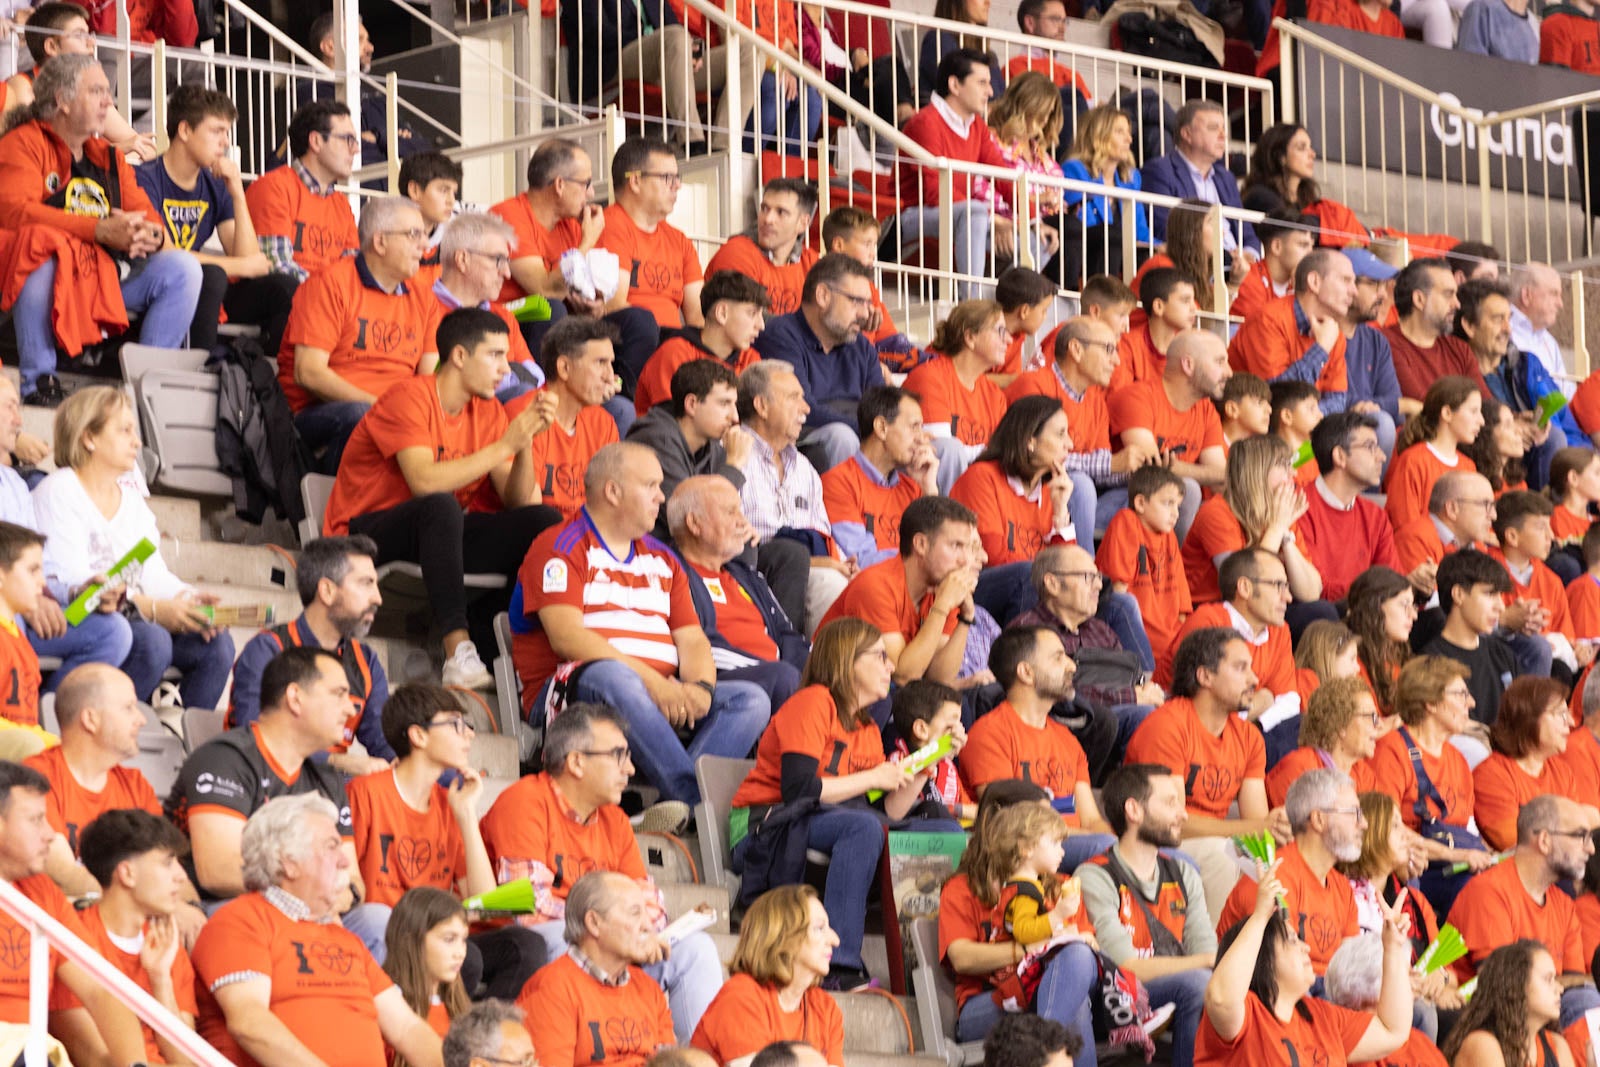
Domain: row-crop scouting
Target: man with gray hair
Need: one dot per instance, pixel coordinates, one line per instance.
(1325, 818)
(609, 933)
(357, 327)
(279, 981)
(489, 1034)
(1522, 898)
(474, 266)
(338, 586)
(61, 176)
(1536, 304)
(1354, 980)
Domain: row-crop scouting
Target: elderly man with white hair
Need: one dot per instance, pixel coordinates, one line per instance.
(357, 327)
(1325, 818)
(489, 1034)
(597, 998)
(280, 983)
(1354, 980)
(1536, 303)
(474, 264)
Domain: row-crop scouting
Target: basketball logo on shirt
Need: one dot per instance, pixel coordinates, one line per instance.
(1025, 543)
(15, 948)
(564, 478)
(318, 241)
(379, 336)
(332, 959)
(1321, 933)
(183, 220)
(1210, 781)
(658, 277)
(625, 1034)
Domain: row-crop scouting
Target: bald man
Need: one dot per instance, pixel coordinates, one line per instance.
(602, 593)
(1536, 304)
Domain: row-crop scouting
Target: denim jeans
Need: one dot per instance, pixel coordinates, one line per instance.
(798, 130)
(1081, 848)
(205, 665)
(100, 638)
(1186, 991)
(1092, 507)
(164, 292)
(829, 445)
(325, 428)
(1005, 591)
(1120, 611)
(369, 922)
(1064, 990)
(970, 224)
(739, 712)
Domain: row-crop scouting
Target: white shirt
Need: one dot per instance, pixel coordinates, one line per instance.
(80, 542)
(1541, 344)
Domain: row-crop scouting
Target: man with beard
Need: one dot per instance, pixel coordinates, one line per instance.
(1484, 323)
(1148, 909)
(1423, 349)
(1020, 739)
(1326, 818)
(1371, 386)
(338, 586)
(1166, 417)
(1297, 338)
(1255, 590)
(1522, 899)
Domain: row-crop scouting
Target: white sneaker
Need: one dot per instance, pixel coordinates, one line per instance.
(665, 817)
(465, 670)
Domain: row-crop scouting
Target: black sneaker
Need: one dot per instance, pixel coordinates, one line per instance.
(47, 392)
(848, 980)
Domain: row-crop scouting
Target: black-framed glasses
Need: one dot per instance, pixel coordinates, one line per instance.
(1277, 585)
(672, 178)
(350, 140)
(621, 754)
(500, 261)
(588, 183)
(460, 724)
(1353, 810)
(1486, 505)
(876, 653)
(1092, 577)
(1576, 835)
(413, 235)
(858, 301)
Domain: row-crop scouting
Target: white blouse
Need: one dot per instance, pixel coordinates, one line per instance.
(80, 542)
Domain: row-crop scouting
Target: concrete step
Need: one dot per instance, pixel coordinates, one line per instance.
(177, 517)
(681, 898)
(253, 566)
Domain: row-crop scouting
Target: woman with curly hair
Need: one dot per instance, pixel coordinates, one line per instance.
(1430, 446)
(1338, 729)
(1498, 449)
(1381, 608)
(1510, 1019)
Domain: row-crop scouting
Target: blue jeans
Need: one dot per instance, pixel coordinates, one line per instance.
(1081, 848)
(1069, 980)
(829, 445)
(620, 408)
(164, 292)
(100, 638)
(1575, 1002)
(205, 665)
(1186, 990)
(369, 922)
(1533, 653)
(970, 223)
(739, 712)
(798, 131)
(1092, 507)
(325, 428)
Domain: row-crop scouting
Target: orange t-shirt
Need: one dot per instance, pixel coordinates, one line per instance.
(1410, 481)
(1494, 909)
(1255, 291)
(575, 1019)
(655, 381)
(1013, 528)
(1546, 588)
(407, 416)
(1151, 566)
(1041, 381)
(962, 917)
(879, 595)
(1213, 768)
(1013, 363)
(1392, 773)
(1272, 660)
(1331, 1032)
(1583, 603)
(1324, 914)
(1588, 908)
(531, 820)
(70, 807)
(658, 265)
(14, 961)
(560, 458)
(972, 414)
(1001, 745)
(322, 228)
(19, 676)
(1088, 420)
(783, 281)
(324, 981)
(1214, 532)
(1582, 762)
(1138, 360)
(1289, 768)
(398, 847)
(374, 339)
(1418, 542)
(182, 973)
(1270, 342)
(745, 1018)
(850, 494)
(533, 241)
(1500, 787)
(1186, 434)
(1567, 528)
(808, 725)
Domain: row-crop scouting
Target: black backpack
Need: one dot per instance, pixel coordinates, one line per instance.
(1163, 38)
(257, 445)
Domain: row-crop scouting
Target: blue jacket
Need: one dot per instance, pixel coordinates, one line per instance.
(1095, 210)
(1169, 176)
(834, 382)
(1528, 383)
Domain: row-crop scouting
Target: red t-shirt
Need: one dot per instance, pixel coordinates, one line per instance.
(851, 494)
(658, 265)
(655, 381)
(1410, 481)
(322, 228)
(1186, 434)
(1543, 586)
(745, 1018)
(407, 416)
(533, 241)
(1013, 528)
(1001, 746)
(15, 960)
(962, 917)
(1138, 360)
(531, 820)
(1500, 787)
(1213, 768)
(70, 807)
(560, 458)
(808, 725)
(1583, 602)
(1289, 768)
(1494, 909)
(398, 847)
(879, 595)
(1342, 544)
(972, 414)
(1392, 773)
(1331, 1032)
(1270, 342)
(1272, 661)
(1214, 532)
(738, 618)
(783, 281)
(575, 1019)
(1088, 420)
(1323, 913)
(1417, 368)
(19, 676)
(1150, 565)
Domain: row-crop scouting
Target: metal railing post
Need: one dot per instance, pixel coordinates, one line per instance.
(947, 232)
(158, 92)
(1485, 192)
(125, 60)
(1288, 107)
(34, 1052)
(1580, 337)
(391, 122)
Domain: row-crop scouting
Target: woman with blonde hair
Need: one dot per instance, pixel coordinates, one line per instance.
(961, 407)
(1338, 729)
(1026, 124)
(1326, 650)
(1257, 508)
(823, 745)
(1102, 151)
(92, 514)
(774, 990)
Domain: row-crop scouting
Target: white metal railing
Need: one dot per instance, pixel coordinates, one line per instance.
(45, 934)
(1530, 204)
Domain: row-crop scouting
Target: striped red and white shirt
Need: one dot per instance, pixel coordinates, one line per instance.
(634, 602)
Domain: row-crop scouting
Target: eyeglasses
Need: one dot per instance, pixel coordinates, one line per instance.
(587, 183)
(1109, 346)
(1001, 331)
(1486, 505)
(1373, 717)
(1094, 578)
(501, 262)
(1277, 585)
(622, 753)
(863, 301)
(1354, 811)
(1365, 446)
(459, 724)
(672, 178)
(414, 236)
(1460, 693)
(349, 140)
(876, 653)
(1576, 835)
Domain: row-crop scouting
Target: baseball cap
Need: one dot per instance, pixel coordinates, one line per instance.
(1369, 266)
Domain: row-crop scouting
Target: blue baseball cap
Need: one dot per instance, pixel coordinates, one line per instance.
(1369, 266)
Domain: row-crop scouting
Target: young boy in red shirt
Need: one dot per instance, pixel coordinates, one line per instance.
(1246, 407)
(1139, 555)
(21, 584)
(1537, 602)
(1025, 296)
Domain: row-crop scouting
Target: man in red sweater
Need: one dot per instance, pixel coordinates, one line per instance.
(952, 127)
(1424, 350)
(1342, 532)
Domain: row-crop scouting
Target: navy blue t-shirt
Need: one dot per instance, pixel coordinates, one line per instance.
(190, 216)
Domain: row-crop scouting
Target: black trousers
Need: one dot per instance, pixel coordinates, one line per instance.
(502, 961)
(262, 302)
(433, 532)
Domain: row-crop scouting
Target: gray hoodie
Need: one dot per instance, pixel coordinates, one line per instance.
(659, 432)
